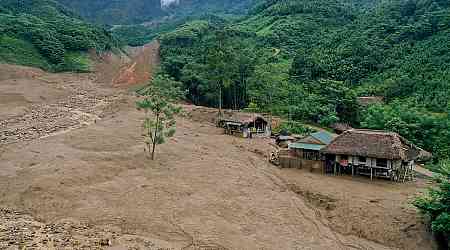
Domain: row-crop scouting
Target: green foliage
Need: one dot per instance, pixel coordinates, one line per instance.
(159, 122)
(131, 12)
(140, 34)
(53, 31)
(76, 62)
(17, 51)
(436, 204)
(293, 127)
(429, 130)
(117, 12)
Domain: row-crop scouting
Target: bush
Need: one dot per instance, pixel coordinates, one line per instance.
(292, 127)
(436, 204)
(75, 62)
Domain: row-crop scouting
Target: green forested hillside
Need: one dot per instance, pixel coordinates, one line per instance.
(310, 60)
(199, 7)
(117, 11)
(44, 34)
(176, 14)
(133, 12)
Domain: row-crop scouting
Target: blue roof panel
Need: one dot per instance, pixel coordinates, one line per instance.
(308, 146)
(323, 136)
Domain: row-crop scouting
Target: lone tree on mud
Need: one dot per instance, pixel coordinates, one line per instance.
(159, 122)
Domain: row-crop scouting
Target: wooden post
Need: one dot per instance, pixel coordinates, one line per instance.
(371, 173)
(334, 171)
(353, 170)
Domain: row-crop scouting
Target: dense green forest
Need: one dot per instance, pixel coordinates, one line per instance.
(117, 12)
(310, 60)
(199, 7)
(43, 33)
(134, 12)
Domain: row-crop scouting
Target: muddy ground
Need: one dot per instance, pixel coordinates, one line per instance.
(74, 175)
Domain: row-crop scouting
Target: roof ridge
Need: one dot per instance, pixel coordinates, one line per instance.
(379, 131)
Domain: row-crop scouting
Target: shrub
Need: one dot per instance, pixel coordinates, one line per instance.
(292, 127)
(436, 204)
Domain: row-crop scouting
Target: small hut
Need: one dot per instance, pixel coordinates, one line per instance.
(305, 152)
(246, 125)
(373, 153)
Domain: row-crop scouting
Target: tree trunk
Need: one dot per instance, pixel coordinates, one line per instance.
(220, 100)
(154, 137)
(149, 132)
(153, 151)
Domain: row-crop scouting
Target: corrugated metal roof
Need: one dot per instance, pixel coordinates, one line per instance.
(324, 137)
(297, 145)
(285, 137)
(234, 123)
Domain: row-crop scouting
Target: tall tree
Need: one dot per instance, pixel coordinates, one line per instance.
(220, 64)
(268, 86)
(159, 122)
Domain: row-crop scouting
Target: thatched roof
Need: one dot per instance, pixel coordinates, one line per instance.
(341, 127)
(241, 117)
(374, 144)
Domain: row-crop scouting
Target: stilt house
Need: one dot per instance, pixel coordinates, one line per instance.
(245, 125)
(373, 153)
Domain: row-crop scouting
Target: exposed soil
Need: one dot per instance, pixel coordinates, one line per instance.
(74, 175)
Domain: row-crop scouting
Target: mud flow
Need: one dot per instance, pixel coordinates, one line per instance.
(74, 175)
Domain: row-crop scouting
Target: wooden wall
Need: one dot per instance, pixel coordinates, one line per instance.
(294, 162)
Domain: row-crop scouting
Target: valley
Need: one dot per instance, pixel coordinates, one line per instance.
(74, 174)
(89, 88)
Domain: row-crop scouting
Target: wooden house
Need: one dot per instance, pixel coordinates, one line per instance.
(305, 152)
(246, 125)
(373, 153)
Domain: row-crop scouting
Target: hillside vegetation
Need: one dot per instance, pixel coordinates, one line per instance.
(310, 60)
(137, 33)
(43, 33)
(116, 12)
(133, 12)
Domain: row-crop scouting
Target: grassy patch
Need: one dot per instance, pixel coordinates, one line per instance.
(75, 62)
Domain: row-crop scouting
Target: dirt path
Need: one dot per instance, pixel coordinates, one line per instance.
(74, 175)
